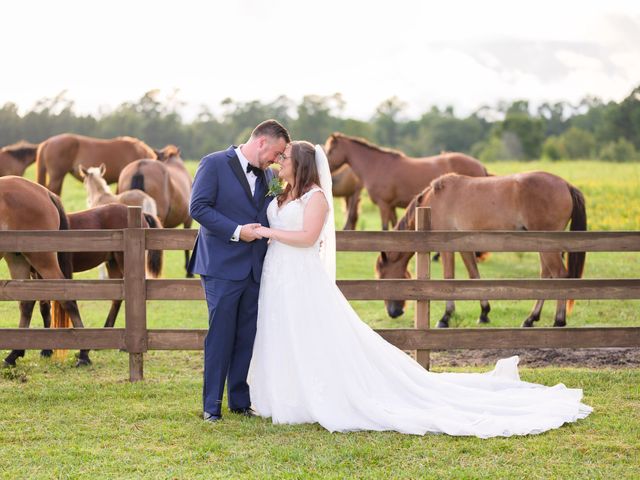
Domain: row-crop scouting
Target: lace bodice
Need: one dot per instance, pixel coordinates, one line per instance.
(291, 215)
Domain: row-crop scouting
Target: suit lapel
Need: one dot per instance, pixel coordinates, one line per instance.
(262, 190)
(234, 163)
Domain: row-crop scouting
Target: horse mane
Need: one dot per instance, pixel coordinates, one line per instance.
(408, 220)
(365, 143)
(20, 150)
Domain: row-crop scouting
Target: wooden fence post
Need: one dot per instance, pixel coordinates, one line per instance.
(135, 297)
(423, 272)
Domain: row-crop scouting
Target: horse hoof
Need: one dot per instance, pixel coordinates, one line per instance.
(527, 323)
(8, 364)
(83, 362)
(482, 320)
(46, 353)
(560, 324)
(442, 324)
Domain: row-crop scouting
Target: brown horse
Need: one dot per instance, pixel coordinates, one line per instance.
(391, 178)
(523, 201)
(346, 184)
(25, 205)
(167, 181)
(105, 217)
(64, 154)
(14, 159)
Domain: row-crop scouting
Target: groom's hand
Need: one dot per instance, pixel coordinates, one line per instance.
(248, 232)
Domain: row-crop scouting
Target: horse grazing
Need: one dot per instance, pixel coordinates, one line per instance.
(25, 205)
(15, 158)
(346, 184)
(523, 201)
(106, 217)
(391, 178)
(167, 181)
(64, 154)
(99, 193)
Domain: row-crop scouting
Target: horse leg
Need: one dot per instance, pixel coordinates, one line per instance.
(557, 269)
(19, 268)
(55, 182)
(114, 270)
(353, 204)
(45, 313)
(448, 264)
(534, 316)
(385, 214)
(470, 263)
(46, 264)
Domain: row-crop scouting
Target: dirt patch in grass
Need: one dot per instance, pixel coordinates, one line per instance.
(542, 357)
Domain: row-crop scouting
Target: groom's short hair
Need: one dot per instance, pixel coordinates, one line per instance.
(271, 128)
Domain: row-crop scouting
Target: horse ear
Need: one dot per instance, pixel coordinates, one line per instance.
(158, 153)
(103, 169)
(82, 171)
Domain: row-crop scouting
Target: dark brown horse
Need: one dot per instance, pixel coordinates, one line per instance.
(391, 178)
(346, 184)
(14, 159)
(105, 217)
(167, 181)
(25, 205)
(524, 201)
(64, 154)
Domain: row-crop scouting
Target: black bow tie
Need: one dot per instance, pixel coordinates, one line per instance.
(256, 171)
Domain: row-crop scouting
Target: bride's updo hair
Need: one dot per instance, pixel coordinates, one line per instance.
(305, 172)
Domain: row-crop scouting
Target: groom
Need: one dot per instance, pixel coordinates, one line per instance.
(229, 202)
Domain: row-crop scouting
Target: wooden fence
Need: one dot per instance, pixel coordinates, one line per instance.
(135, 290)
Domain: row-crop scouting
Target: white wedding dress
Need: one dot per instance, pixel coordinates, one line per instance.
(314, 360)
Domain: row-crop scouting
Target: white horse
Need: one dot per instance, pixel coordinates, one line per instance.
(99, 193)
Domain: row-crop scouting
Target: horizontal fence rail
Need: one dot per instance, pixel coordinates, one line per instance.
(136, 338)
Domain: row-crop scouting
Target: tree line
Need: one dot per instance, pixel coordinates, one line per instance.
(592, 129)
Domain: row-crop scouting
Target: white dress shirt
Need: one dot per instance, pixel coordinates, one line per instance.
(251, 178)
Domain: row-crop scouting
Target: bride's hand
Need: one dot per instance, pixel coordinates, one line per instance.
(264, 232)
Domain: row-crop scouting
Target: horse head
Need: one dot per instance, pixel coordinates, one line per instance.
(168, 152)
(393, 265)
(336, 153)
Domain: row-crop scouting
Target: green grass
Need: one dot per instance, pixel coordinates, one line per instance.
(60, 422)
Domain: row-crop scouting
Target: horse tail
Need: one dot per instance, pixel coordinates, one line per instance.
(154, 257)
(576, 260)
(41, 168)
(137, 181)
(59, 316)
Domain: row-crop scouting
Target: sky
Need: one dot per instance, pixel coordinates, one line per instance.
(460, 53)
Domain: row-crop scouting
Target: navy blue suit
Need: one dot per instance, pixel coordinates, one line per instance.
(230, 272)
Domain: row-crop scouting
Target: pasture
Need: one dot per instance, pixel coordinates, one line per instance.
(58, 421)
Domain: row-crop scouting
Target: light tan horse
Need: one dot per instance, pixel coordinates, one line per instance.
(64, 154)
(391, 178)
(25, 205)
(346, 184)
(14, 159)
(536, 201)
(99, 193)
(167, 181)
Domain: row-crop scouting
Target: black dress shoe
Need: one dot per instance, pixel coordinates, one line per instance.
(246, 412)
(212, 418)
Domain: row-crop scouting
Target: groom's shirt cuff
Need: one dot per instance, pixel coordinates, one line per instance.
(236, 235)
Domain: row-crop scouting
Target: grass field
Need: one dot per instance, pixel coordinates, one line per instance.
(60, 422)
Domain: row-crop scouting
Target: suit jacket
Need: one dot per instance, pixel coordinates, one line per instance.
(220, 201)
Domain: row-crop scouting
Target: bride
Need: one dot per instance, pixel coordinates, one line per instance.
(314, 360)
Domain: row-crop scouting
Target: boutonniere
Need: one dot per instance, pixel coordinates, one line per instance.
(276, 187)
